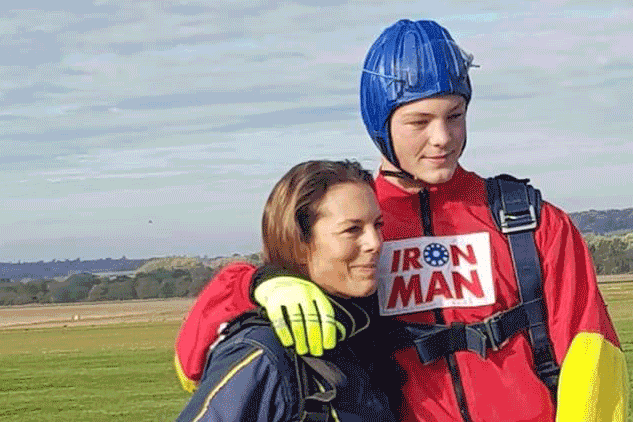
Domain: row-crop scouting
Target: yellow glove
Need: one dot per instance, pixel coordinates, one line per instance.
(301, 314)
(593, 384)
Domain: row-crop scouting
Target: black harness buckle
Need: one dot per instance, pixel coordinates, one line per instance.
(491, 326)
(512, 223)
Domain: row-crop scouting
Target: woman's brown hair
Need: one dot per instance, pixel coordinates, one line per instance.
(292, 208)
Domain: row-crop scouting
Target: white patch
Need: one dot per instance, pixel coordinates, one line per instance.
(217, 341)
(430, 272)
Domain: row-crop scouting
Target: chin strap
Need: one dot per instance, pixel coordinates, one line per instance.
(399, 174)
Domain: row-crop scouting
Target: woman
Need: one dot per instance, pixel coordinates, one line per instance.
(321, 221)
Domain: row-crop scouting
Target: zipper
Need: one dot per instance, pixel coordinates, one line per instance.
(458, 387)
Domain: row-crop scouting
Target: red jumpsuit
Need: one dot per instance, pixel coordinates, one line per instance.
(466, 274)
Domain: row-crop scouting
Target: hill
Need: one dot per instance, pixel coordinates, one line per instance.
(604, 222)
(609, 235)
(55, 268)
(157, 278)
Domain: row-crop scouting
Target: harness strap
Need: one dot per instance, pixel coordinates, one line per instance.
(311, 373)
(316, 407)
(517, 205)
(434, 341)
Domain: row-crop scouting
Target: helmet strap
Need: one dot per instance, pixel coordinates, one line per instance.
(396, 171)
(399, 174)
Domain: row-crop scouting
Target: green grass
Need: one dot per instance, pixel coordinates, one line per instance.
(101, 373)
(124, 372)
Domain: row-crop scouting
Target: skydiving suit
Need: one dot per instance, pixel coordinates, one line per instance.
(445, 262)
(250, 376)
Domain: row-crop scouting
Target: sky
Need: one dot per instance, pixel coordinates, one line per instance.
(158, 128)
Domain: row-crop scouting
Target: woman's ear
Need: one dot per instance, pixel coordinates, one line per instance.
(303, 252)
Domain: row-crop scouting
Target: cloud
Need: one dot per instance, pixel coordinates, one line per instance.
(44, 7)
(29, 94)
(297, 115)
(29, 49)
(17, 159)
(193, 109)
(9, 118)
(44, 135)
(190, 9)
(222, 96)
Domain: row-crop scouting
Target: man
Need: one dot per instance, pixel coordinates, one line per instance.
(446, 268)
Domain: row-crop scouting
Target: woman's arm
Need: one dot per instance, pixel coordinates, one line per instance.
(241, 383)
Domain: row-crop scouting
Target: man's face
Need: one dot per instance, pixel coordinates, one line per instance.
(428, 136)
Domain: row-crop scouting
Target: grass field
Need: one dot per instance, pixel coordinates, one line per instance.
(95, 369)
(62, 369)
(118, 372)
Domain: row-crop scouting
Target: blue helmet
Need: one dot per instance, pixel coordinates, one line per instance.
(409, 61)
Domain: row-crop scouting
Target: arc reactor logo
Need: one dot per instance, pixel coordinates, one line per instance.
(435, 254)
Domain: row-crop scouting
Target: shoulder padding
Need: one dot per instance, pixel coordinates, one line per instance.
(509, 196)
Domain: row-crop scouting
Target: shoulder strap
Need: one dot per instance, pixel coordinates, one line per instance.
(315, 404)
(515, 206)
(245, 319)
(317, 407)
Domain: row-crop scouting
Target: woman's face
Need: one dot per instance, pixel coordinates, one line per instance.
(345, 243)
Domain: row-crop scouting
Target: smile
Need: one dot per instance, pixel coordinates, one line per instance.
(366, 269)
(439, 159)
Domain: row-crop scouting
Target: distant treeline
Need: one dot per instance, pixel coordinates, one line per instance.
(161, 279)
(54, 268)
(604, 222)
(611, 254)
(609, 235)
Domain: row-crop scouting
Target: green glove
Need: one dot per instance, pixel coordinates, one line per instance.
(301, 314)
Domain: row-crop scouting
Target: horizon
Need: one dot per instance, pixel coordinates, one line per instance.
(158, 128)
(618, 232)
(202, 257)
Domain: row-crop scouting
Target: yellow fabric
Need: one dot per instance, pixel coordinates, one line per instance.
(189, 385)
(594, 384)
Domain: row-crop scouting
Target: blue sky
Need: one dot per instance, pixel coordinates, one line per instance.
(184, 113)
